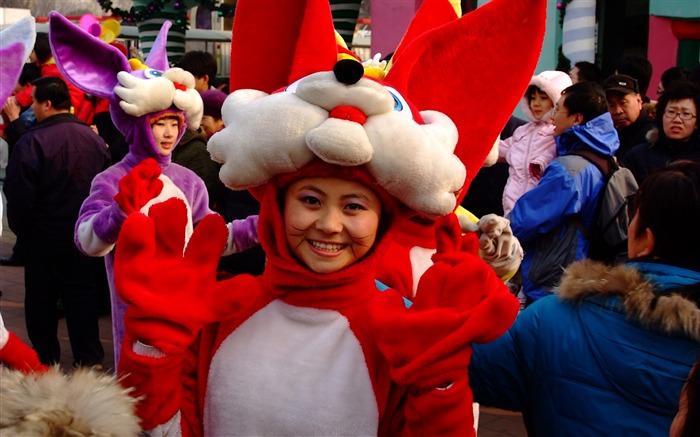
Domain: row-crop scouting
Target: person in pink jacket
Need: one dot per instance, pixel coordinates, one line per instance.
(532, 148)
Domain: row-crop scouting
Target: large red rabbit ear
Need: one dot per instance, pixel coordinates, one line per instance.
(474, 69)
(275, 42)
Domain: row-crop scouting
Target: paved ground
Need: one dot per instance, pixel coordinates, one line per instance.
(493, 422)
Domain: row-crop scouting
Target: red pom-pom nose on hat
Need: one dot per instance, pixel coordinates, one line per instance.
(348, 113)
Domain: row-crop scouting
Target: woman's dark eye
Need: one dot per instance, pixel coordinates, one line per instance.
(310, 200)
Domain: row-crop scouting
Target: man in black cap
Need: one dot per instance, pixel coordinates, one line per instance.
(631, 120)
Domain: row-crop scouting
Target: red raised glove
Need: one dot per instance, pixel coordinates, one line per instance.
(171, 296)
(459, 300)
(139, 186)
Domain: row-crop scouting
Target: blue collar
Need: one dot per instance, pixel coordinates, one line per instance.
(665, 276)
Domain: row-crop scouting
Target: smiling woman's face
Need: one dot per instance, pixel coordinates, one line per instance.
(330, 223)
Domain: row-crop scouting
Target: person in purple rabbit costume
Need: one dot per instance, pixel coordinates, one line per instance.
(140, 96)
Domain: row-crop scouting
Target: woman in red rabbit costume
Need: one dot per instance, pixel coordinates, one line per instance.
(337, 159)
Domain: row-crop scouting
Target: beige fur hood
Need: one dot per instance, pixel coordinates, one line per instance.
(81, 404)
(668, 313)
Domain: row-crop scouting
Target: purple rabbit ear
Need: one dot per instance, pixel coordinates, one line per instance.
(87, 62)
(158, 56)
(16, 43)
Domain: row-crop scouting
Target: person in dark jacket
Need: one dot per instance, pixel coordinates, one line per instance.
(48, 177)
(542, 218)
(631, 120)
(609, 353)
(678, 136)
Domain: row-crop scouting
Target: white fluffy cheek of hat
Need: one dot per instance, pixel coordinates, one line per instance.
(416, 162)
(144, 96)
(188, 100)
(265, 135)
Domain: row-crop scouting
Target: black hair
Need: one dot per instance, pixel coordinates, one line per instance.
(587, 99)
(588, 71)
(530, 92)
(679, 90)
(637, 67)
(669, 200)
(199, 63)
(42, 48)
(694, 74)
(220, 83)
(673, 74)
(53, 89)
(30, 72)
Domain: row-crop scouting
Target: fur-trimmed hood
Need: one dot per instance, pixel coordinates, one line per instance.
(640, 299)
(83, 403)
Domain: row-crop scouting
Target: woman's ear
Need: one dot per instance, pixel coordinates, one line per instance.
(646, 243)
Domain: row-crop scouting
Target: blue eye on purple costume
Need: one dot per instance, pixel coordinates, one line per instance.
(151, 73)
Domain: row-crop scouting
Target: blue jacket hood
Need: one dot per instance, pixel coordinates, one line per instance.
(598, 134)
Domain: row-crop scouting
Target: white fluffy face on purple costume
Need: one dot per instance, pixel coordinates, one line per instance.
(271, 134)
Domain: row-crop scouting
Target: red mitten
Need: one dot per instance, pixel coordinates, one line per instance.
(17, 355)
(139, 186)
(459, 301)
(170, 296)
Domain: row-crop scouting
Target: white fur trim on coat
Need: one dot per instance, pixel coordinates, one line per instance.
(84, 403)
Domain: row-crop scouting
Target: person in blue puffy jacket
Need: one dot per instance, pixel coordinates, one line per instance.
(550, 220)
(609, 353)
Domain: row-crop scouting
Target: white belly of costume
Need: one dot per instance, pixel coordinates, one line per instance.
(290, 371)
(421, 260)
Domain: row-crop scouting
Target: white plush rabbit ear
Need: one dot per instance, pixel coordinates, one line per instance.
(16, 43)
(87, 62)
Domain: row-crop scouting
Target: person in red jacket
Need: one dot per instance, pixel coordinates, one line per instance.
(41, 55)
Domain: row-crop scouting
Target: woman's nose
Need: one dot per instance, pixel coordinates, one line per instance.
(330, 222)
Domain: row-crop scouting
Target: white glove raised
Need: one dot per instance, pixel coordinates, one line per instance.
(497, 244)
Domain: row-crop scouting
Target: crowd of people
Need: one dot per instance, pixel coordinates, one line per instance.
(286, 259)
